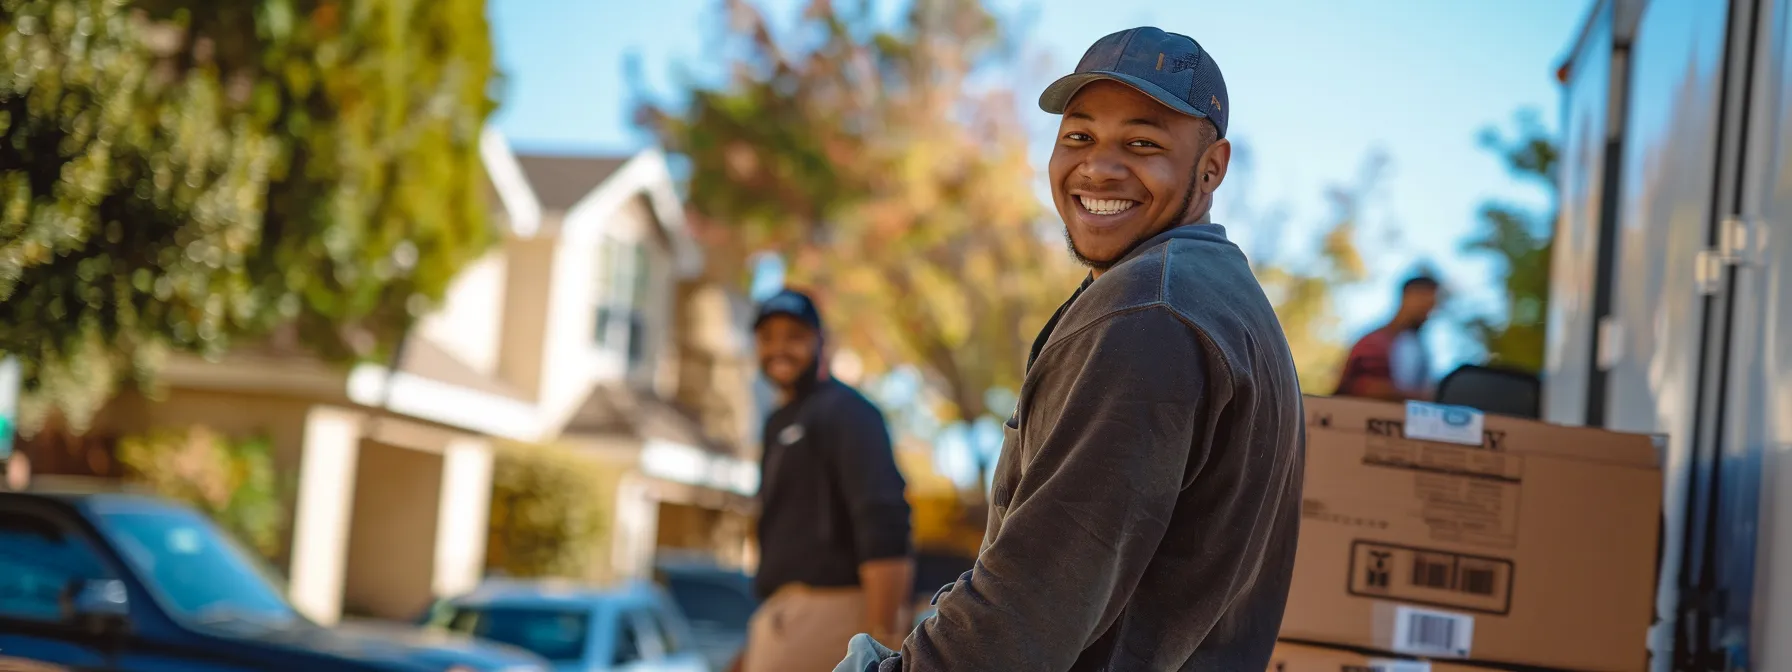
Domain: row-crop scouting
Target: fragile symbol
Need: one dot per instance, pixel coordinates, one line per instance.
(1379, 573)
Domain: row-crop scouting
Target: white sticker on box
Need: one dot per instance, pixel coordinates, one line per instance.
(1387, 665)
(1449, 424)
(1429, 632)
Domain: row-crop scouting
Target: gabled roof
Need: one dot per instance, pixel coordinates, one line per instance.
(620, 410)
(423, 357)
(560, 182)
(583, 194)
(584, 190)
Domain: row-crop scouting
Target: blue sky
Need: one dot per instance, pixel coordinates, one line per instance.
(1315, 86)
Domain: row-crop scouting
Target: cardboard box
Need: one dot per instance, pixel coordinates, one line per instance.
(1291, 657)
(1535, 545)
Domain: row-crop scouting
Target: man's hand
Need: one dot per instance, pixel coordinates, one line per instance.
(888, 584)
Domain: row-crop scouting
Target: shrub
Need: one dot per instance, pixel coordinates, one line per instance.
(232, 480)
(551, 513)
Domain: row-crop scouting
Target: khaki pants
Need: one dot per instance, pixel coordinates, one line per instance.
(804, 629)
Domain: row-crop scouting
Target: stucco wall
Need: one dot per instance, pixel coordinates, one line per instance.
(469, 321)
(527, 296)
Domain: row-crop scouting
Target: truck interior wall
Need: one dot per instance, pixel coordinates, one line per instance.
(1602, 267)
(1595, 100)
(1584, 174)
(1607, 223)
(1624, 17)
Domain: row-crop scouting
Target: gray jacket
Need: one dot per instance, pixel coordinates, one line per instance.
(1147, 499)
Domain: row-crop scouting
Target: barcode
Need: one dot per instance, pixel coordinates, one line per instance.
(1444, 574)
(1433, 632)
(1477, 581)
(1429, 574)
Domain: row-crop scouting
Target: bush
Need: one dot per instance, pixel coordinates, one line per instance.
(232, 480)
(551, 513)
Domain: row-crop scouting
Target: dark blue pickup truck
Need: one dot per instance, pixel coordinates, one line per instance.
(121, 582)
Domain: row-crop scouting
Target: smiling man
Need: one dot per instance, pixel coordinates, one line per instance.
(1145, 507)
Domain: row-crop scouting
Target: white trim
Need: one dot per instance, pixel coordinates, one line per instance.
(448, 404)
(463, 513)
(501, 167)
(331, 446)
(470, 409)
(681, 463)
(647, 173)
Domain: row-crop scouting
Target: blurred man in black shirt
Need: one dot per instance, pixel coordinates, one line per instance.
(835, 555)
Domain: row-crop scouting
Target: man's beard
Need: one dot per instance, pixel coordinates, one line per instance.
(1102, 265)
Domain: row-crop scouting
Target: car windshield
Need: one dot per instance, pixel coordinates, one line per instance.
(558, 635)
(198, 572)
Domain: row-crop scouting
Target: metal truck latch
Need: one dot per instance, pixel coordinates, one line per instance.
(1708, 271)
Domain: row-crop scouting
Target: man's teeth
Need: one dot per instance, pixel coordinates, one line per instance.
(1106, 206)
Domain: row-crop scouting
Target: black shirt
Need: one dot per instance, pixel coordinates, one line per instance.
(830, 495)
(1147, 500)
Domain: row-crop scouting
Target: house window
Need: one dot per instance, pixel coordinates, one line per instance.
(623, 289)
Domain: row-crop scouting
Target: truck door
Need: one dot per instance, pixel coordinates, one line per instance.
(1694, 126)
(1748, 567)
(1682, 143)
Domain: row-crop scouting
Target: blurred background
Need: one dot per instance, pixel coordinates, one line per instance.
(410, 297)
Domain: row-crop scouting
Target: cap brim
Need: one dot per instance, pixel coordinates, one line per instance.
(769, 314)
(1057, 96)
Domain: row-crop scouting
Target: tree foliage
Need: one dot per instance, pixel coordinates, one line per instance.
(176, 175)
(893, 183)
(1303, 285)
(1519, 240)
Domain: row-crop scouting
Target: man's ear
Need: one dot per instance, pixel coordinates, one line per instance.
(1214, 163)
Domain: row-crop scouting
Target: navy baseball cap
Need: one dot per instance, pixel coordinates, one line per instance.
(792, 303)
(1171, 68)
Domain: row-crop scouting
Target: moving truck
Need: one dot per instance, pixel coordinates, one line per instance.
(1671, 300)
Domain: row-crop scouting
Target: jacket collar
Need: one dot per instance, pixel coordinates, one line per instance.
(1212, 233)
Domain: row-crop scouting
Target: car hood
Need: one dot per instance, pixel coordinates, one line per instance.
(407, 647)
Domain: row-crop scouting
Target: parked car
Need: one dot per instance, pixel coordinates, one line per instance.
(716, 601)
(634, 627)
(97, 580)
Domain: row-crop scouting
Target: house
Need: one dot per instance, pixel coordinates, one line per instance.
(586, 325)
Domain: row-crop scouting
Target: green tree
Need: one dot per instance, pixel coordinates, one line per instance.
(1518, 239)
(176, 175)
(1303, 284)
(890, 183)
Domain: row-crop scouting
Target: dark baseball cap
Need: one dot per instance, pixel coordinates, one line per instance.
(792, 303)
(1171, 68)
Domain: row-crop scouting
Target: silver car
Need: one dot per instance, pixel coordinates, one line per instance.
(633, 627)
